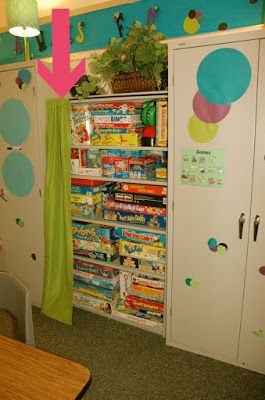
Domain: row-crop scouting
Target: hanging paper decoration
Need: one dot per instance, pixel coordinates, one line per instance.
(191, 23)
(23, 79)
(41, 41)
(152, 13)
(117, 18)
(81, 37)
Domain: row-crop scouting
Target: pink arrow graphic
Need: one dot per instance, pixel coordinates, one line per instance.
(61, 79)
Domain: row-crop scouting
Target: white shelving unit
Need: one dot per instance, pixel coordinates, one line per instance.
(127, 320)
(154, 148)
(158, 182)
(135, 321)
(101, 221)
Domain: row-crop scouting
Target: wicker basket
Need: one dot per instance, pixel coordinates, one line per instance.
(132, 82)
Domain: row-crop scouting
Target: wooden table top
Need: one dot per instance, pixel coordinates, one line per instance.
(27, 373)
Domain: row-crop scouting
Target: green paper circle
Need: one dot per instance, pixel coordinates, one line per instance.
(14, 122)
(194, 284)
(222, 249)
(18, 174)
(200, 131)
(25, 75)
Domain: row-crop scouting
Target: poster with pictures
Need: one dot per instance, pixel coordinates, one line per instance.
(203, 167)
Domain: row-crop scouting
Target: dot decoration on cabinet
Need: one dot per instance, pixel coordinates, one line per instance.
(15, 122)
(18, 174)
(223, 68)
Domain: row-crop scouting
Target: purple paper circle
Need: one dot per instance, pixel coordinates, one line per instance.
(209, 112)
(262, 270)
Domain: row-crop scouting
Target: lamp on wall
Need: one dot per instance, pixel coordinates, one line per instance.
(23, 20)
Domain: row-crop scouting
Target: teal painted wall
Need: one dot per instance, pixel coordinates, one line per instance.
(100, 25)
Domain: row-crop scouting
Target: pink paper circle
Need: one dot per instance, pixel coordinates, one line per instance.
(209, 112)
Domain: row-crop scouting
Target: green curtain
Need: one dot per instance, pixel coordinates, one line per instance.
(58, 273)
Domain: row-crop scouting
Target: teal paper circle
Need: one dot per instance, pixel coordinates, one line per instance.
(14, 122)
(212, 242)
(25, 75)
(18, 174)
(223, 76)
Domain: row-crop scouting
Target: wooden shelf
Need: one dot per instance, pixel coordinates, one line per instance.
(158, 330)
(116, 264)
(131, 148)
(158, 182)
(101, 221)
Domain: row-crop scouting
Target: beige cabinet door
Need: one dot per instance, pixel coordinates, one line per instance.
(213, 164)
(21, 204)
(252, 337)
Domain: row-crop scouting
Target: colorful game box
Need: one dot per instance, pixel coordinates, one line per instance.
(86, 186)
(144, 189)
(142, 199)
(144, 303)
(161, 123)
(96, 280)
(117, 108)
(111, 139)
(146, 265)
(138, 250)
(85, 210)
(140, 317)
(125, 283)
(153, 221)
(143, 167)
(134, 208)
(96, 291)
(118, 119)
(147, 293)
(110, 249)
(138, 280)
(105, 272)
(93, 232)
(147, 238)
(82, 299)
(86, 198)
(80, 124)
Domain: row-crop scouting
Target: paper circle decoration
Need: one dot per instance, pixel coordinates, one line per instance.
(223, 76)
(200, 131)
(14, 122)
(209, 112)
(18, 174)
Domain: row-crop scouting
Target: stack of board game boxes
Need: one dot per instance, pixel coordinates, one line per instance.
(137, 204)
(106, 288)
(119, 270)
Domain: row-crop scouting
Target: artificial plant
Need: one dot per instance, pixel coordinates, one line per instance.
(141, 50)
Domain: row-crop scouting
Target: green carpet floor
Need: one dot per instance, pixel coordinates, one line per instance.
(127, 363)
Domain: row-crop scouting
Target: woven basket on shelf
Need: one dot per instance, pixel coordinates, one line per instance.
(132, 82)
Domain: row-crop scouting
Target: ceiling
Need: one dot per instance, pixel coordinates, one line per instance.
(75, 6)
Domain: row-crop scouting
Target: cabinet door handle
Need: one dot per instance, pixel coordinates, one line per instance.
(242, 220)
(256, 227)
